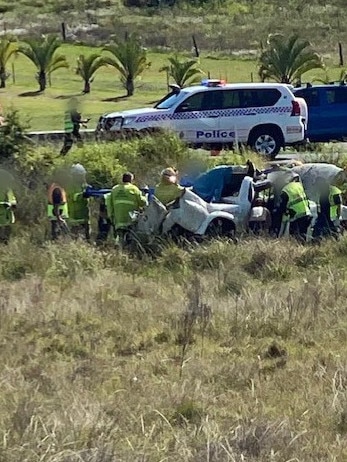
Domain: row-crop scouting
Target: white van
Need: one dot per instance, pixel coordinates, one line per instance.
(265, 116)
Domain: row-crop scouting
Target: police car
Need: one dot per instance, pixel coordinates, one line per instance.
(265, 116)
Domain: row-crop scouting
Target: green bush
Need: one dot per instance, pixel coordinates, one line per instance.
(12, 139)
(6, 7)
(70, 259)
(19, 259)
(102, 164)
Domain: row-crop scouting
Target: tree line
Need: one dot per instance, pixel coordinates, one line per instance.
(282, 59)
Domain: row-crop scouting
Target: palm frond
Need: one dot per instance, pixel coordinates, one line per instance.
(287, 59)
(8, 49)
(41, 52)
(183, 72)
(88, 65)
(129, 58)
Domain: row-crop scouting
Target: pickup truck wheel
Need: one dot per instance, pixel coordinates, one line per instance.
(266, 142)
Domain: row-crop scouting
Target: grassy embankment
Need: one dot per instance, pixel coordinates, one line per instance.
(216, 352)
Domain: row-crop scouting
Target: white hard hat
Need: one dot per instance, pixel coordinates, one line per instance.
(78, 169)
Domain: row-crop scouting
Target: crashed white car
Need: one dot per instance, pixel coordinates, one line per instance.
(265, 116)
(192, 215)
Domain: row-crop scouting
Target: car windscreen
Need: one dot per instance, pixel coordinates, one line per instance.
(170, 100)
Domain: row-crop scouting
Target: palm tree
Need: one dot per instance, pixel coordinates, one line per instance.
(328, 78)
(182, 72)
(43, 54)
(86, 68)
(129, 58)
(286, 59)
(8, 48)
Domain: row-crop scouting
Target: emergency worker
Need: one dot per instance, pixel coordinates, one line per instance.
(79, 206)
(124, 199)
(294, 209)
(72, 123)
(168, 190)
(104, 222)
(8, 204)
(329, 209)
(57, 207)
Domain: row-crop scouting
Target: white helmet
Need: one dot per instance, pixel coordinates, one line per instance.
(78, 169)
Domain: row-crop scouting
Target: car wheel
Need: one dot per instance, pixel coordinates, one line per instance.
(266, 142)
(221, 227)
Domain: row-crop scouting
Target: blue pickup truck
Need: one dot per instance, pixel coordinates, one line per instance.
(327, 111)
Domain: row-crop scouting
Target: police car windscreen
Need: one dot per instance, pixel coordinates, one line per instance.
(170, 100)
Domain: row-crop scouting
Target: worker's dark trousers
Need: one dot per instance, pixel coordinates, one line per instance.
(325, 227)
(299, 228)
(80, 230)
(104, 227)
(54, 230)
(69, 140)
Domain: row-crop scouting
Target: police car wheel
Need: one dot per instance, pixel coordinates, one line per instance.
(266, 143)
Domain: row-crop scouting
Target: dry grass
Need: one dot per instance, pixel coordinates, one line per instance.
(205, 360)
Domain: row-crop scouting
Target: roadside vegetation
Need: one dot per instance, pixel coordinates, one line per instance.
(220, 353)
(216, 352)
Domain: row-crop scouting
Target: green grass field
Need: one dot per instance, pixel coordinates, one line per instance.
(45, 111)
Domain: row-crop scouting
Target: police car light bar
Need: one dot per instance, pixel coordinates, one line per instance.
(212, 82)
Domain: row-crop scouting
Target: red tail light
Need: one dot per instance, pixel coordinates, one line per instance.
(295, 108)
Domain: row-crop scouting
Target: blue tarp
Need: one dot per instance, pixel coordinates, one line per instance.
(209, 185)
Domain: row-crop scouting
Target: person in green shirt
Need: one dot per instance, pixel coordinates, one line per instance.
(8, 203)
(72, 123)
(124, 199)
(79, 206)
(168, 190)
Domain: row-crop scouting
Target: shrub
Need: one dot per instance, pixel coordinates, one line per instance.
(12, 139)
(187, 412)
(71, 259)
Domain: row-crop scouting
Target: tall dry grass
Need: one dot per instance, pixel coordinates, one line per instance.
(216, 353)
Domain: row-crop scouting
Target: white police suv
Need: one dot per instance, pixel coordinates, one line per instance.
(265, 116)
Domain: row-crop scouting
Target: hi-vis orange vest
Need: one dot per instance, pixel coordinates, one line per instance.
(63, 209)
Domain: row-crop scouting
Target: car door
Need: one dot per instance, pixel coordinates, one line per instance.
(334, 113)
(196, 119)
(316, 126)
(232, 126)
(246, 108)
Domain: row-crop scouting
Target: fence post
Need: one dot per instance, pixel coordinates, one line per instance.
(341, 54)
(63, 31)
(197, 53)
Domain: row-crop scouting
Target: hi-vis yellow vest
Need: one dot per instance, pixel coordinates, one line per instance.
(63, 208)
(7, 199)
(297, 201)
(333, 191)
(68, 124)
